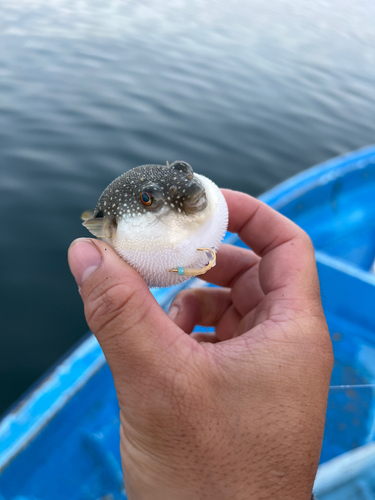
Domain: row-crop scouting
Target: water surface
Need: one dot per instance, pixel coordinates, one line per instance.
(248, 92)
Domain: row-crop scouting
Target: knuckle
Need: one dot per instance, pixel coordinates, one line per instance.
(305, 239)
(315, 292)
(321, 352)
(185, 297)
(189, 303)
(325, 339)
(320, 340)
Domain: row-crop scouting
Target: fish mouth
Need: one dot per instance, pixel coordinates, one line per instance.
(195, 199)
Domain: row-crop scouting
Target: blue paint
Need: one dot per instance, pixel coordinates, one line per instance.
(181, 271)
(62, 440)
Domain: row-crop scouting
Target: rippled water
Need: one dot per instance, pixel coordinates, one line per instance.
(248, 92)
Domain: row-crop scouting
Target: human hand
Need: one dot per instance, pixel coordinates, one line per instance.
(241, 415)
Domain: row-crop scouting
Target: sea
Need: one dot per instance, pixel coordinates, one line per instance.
(248, 92)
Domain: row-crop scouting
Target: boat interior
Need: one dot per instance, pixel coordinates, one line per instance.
(69, 423)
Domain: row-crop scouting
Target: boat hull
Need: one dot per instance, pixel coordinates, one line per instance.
(62, 441)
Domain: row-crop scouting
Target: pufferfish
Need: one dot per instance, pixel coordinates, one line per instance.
(164, 220)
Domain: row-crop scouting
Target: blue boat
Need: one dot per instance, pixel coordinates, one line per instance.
(61, 441)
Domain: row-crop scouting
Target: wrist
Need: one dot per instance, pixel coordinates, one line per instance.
(150, 479)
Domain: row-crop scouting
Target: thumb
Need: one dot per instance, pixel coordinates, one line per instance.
(134, 332)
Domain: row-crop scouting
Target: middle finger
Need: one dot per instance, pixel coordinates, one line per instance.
(238, 268)
(232, 262)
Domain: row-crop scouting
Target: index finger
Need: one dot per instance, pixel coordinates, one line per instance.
(287, 254)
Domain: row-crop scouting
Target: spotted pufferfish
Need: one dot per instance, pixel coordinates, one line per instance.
(164, 220)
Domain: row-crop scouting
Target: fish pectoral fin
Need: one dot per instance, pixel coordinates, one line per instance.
(87, 214)
(97, 227)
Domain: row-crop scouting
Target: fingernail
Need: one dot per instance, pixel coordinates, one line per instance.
(173, 311)
(84, 258)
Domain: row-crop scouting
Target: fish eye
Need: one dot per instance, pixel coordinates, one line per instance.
(146, 198)
(151, 196)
